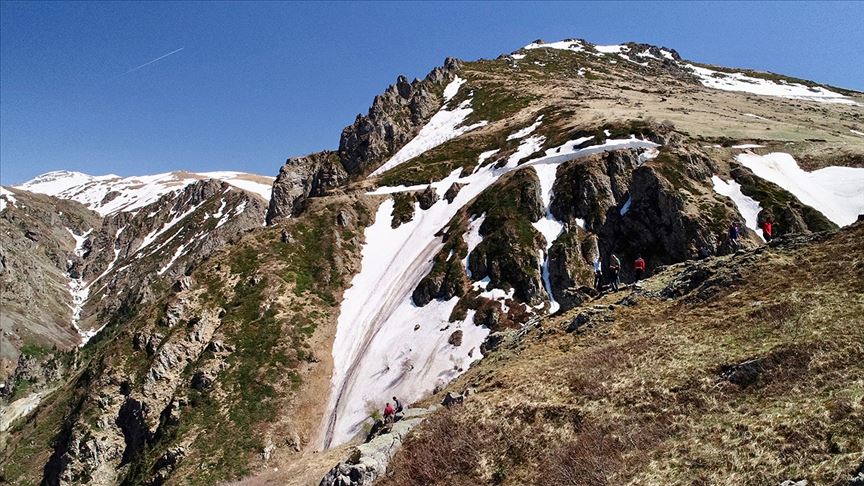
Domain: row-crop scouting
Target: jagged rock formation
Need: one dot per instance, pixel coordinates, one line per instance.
(393, 119)
(301, 178)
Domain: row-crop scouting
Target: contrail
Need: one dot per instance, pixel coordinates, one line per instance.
(151, 62)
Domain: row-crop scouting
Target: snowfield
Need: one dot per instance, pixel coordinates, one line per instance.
(836, 192)
(765, 87)
(110, 194)
(376, 352)
(442, 127)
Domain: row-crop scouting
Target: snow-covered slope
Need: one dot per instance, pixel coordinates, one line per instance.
(109, 194)
(836, 192)
(766, 87)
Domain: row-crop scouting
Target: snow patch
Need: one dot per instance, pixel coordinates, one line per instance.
(748, 146)
(547, 225)
(765, 87)
(442, 127)
(566, 45)
(472, 238)
(174, 258)
(747, 206)
(626, 207)
(6, 196)
(836, 192)
(526, 131)
(856, 132)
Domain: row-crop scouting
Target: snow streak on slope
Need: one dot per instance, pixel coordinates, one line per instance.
(376, 352)
(6, 195)
(747, 206)
(443, 126)
(548, 226)
(766, 87)
(836, 192)
(111, 193)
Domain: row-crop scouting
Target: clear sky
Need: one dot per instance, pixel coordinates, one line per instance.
(256, 83)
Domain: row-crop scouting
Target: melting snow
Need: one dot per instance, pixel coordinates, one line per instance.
(765, 87)
(6, 195)
(626, 207)
(376, 352)
(747, 146)
(856, 132)
(472, 238)
(567, 45)
(547, 225)
(173, 259)
(747, 206)
(525, 131)
(836, 192)
(518, 57)
(751, 115)
(443, 126)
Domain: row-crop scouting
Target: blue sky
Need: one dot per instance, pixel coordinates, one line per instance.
(258, 82)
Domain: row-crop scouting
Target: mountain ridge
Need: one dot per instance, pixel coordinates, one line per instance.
(462, 210)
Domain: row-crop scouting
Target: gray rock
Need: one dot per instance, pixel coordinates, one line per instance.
(394, 119)
(427, 198)
(301, 178)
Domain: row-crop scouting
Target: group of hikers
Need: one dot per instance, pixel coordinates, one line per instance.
(735, 232)
(614, 273)
(390, 411)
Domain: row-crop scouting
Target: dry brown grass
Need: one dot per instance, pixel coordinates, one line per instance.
(648, 399)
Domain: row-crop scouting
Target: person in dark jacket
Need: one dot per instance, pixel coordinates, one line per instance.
(639, 267)
(398, 405)
(734, 235)
(614, 270)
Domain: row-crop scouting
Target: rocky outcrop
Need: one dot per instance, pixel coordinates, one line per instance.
(509, 252)
(394, 119)
(301, 178)
(787, 213)
(570, 266)
(369, 461)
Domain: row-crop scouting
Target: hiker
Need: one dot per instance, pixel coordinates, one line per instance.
(703, 252)
(398, 405)
(598, 274)
(768, 229)
(639, 267)
(614, 269)
(734, 234)
(389, 413)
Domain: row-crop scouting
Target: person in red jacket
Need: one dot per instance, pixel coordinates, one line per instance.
(768, 229)
(639, 267)
(389, 413)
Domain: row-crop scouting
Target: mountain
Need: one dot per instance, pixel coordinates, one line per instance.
(447, 247)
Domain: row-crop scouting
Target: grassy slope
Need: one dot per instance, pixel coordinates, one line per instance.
(638, 398)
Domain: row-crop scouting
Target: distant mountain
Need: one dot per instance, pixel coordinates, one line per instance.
(111, 194)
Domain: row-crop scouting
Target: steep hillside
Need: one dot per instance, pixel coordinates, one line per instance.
(452, 236)
(737, 369)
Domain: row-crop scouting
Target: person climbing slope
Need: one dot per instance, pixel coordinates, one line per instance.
(639, 267)
(389, 413)
(598, 274)
(398, 405)
(734, 234)
(614, 269)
